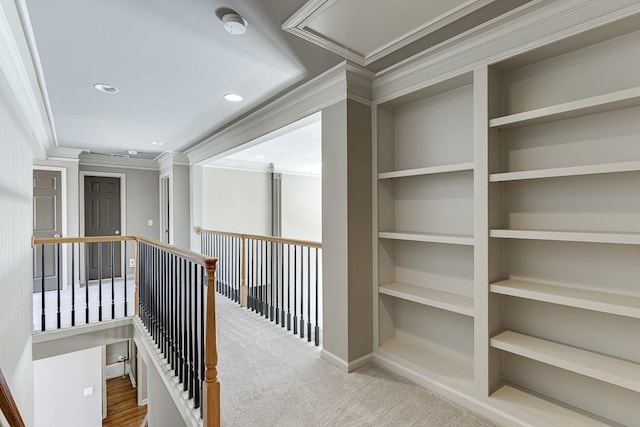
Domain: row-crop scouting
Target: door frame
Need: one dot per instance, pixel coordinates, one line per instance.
(123, 203)
(63, 196)
(166, 206)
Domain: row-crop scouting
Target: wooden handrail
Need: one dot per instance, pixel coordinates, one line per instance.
(96, 239)
(8, 405)
(194, 257)
(311, 244)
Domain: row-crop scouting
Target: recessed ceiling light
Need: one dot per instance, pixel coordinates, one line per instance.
(103, 87)
(259, 156)
(157, 143)
(234, 24)
(133, 152)
(232, 97)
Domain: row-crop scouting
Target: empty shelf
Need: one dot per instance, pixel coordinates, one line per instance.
(622, 305)
(566, 171)
(453, 239)
(604, 368)
(595, 104)
(568, 236)
(427, 171)
(536, 410)
(433, 298)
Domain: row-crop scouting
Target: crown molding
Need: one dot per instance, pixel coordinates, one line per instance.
(16, 63)
(359, 83)
(88, 159)
(297, 25)
(168, 159)
(308, 98)
(243, 165)
(63, 153)
(531, 26)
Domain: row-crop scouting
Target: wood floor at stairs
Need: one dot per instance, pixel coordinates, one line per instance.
(122, 406)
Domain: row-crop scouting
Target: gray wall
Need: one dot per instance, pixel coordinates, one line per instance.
(302, 207)
(143, 199)
(347, 230)
(163, 412)
(181, 206)
(16, 229)
(60, 382)
(236, 201)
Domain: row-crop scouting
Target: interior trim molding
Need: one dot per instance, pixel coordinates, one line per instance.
(20, 80)
(306, 99)
(117, 162)
(360, 362)
(297, 25)
(531, 26)
(334, 360)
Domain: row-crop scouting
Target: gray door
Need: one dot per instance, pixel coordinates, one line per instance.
(47, 222)
(102, 218)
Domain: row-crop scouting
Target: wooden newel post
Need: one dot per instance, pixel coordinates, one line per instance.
(211, 386)
(243, 285)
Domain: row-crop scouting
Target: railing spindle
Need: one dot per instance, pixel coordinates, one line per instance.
(113, 283)
(59, 282)
(100, 282)
(302, 292)
(73, 283)
(295, 290)
(308, 294)
(288, 287)
(42, 288)
(86, 281)
(317, 299)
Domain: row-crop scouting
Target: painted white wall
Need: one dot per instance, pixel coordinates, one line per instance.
(59, 384)
(236, 201)
(302, 207)
(161, 408)
(17, 145)
(181, 206)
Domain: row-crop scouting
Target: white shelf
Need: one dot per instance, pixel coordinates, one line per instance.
(427, 362)
(538, 411)
(433, 298)
(566, 171)
(604, 368)
(459, 167)
(452, 239)
(621, 305)
(595, 104)
(568, 236)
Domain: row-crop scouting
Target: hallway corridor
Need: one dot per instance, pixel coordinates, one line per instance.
(269, 377)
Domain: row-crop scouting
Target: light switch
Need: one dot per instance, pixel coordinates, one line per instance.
(88, 391)
(150, 223)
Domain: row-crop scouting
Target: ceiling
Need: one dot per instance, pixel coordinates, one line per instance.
(172, 60)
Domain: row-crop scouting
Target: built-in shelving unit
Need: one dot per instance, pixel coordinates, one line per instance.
(564, 166)
(425, 238)
(508, 232)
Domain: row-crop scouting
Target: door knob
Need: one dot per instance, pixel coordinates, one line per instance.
(56, 236)
(117, 231)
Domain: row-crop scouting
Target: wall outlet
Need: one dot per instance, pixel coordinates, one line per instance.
(88, 391)
(132, 262)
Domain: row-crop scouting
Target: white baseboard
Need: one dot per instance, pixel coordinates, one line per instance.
(360, 362)
(132, 379)
(343, 365)
(334, 360)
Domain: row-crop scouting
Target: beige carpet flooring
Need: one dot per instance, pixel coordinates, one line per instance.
(269, 377)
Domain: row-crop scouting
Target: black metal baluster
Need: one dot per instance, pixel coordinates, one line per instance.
(275, 280)
(163, 302)
(113, 282)
(288, 287)
(124, 276)
(317, 299)
(179, 328)
(172, 311)
(271, 290)
(295, 290)
(239, 267)
(86, 280)
(42, 295)
(196, 367)
(281, 272)
(190, 320)
(308, 294)
(301, 292)
(142, 265)
(73, 283)
(266, 279)
(154, 293)
(59, 277)
(100, 282)
(249, 276)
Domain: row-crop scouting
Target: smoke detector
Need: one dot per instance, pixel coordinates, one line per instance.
(234, 24)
